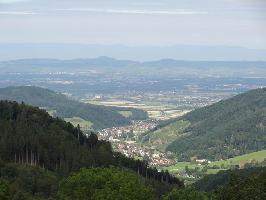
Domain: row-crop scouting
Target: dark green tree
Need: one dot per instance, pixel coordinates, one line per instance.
(104, 183)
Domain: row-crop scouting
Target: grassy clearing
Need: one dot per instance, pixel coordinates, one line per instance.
(126, 114)
(155, 110)
(258, 156)
(84, 125)
(179, 166)
(214, 171)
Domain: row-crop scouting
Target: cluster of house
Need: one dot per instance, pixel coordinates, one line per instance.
(130, 149)
(161, 160)
(117, 134)
(122, 139)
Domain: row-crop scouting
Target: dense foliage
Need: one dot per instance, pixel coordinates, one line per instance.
(212, 182)
(24, 182)
(98, 183)
(242, 187)
(100, 116)
(226, 129)
(186, 194)
(43, 148)
(4, 190)
(29, 135)
(247, 184)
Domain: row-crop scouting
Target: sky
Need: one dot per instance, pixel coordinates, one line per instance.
(135, 22)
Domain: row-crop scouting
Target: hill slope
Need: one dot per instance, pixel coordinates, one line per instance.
(223, 178)
(99, 116)
(36, 150)
(228, 128)
(30, 136)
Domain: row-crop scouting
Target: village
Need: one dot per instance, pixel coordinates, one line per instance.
(130, 132)
(124, 139)
(134, 150)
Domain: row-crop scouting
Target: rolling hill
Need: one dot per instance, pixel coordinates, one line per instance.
(99, 116)
(163, 67)
(223, 130)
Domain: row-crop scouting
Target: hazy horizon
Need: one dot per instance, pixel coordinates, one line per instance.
(237, 23)
(66, 51)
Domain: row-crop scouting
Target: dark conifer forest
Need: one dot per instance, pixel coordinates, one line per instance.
(49, 148)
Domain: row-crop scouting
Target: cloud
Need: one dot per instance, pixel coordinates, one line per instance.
(17, 13)
(11, 1)
(146, 4)
(131, 11)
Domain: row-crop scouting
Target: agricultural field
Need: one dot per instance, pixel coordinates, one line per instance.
(226, 164)
(155, 110)
(241, 160)
(84, 125)
(163, 105)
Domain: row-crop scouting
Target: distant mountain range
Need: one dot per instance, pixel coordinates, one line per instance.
(64, 107)
(167, 67)
(226, 129)
(10, 51)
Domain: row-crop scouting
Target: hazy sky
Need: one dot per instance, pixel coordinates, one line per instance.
(135, 22)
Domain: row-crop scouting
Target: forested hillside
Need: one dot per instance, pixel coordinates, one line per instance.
(213, 182)
(248, 184)
(228, 128)
(100, 116)
(243, 184)
(39, 150)
(30, 136)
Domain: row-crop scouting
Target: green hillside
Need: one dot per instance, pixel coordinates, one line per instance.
(223, 130)
(31, 136)
(214, 182)
(246, 184)
(159, 140)
(258, 156)
(99, 116)
(42, 157)
(37, 151)
(250, 159)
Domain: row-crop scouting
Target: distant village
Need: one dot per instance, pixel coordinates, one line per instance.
(124, 138)
(118, 134)
(154, 158)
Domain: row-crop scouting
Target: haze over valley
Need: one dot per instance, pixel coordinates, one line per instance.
(159, 91)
